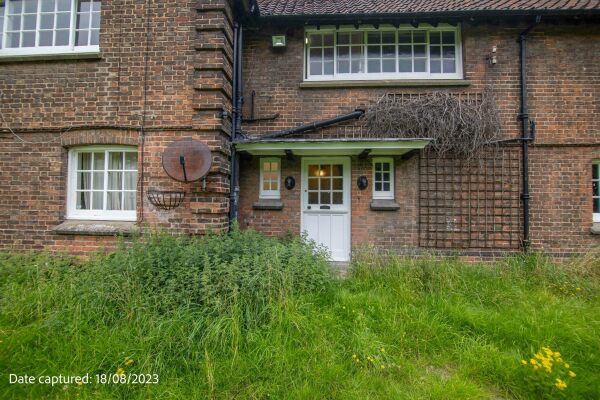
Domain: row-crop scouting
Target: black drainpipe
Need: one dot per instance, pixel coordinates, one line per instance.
(316, 125)
(236, 121)
(525, 137)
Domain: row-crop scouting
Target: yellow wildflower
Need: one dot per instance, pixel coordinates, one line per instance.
(572, 374)
(382, 350)
(533, 361)
(353, 355)
(382, 366)
(524, 362)
(578, 289)
(80, 383)
(567, 365)
(120, 372)
(560, 384)
(557, 354)
(128, 361)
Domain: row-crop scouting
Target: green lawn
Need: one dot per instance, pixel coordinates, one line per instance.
(394, 329)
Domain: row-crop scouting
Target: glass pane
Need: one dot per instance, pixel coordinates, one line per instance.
(328, 68)
(99, 161)
(130, 180)
(114, 200)
(389, 51)
(343, 38)
(328, 39)
(83, 21)
(84, 180)
(405, 65)
(419, 37)
(386, 176)
(96, 20)
(421, 65)
(131, 161)
(13, 40)
(343, 67)
(378, 186)
(448, 37)
(596, 205)
(29, 22)
(313, 184)
(47, 21)
(266, 185)
(28, 39)
(325, 184)
(83, 200)
(325, 170)
(85, 5)
(357, 66)
(115, 180)
(63, 20)
(405, 51)
(316, 40)
(315, 68)
(98, 180)
(386, 186)
(63, 5)
(46, 38)
(316, 54)
(84, 161)
(325, 198)
(378, 176)
(357, 38)
(48, 5)
(313, 198)
(62, 38)
(15, 6)
(129, 201)
(595, 189)
(420, 51)
(98, 201)
(357, 52)
(337, 183)
(388, 37)
(81, 38)
(328, 54)
(595, 171)
(449, 66)
(115, 160)
(94, 37)
(337, 170)
(374, 51)
(436, 66)
(373, 38)
(14, 23)
(385, 166)
(96, 5)
(404, 37)
(435, 38)
(374, 66)
(449, 52)
(388, 65)
(344, 52)
(313, 170)
(338, 198)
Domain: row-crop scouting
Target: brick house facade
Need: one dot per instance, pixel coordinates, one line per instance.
(165, 71)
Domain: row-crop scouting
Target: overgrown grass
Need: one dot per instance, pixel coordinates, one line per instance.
(242, 316)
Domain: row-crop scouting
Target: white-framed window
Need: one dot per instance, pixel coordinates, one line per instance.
(270, 178)
(383, 52)
(596, 190)
(102, 183)
(30, 27)
(383, 178)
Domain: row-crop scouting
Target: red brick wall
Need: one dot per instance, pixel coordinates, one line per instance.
(564, 72)
(188, 85)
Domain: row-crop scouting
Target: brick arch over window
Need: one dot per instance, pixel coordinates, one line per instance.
(108, 136)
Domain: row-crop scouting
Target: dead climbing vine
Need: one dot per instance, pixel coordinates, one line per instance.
(459, 124)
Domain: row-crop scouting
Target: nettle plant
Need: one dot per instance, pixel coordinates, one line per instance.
(548, 374)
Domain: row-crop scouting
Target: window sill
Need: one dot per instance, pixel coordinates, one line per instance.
(595, 230)
(85, 55)
(268, 204)
(384, 205)
(96, 228)
(384, 83)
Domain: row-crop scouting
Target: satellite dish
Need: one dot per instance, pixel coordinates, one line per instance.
(187, 160)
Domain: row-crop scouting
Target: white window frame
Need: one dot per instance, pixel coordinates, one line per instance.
(270, 194)
(101, 215)
(384, 194)
(383, 75)
(596, 216)
(46, 50)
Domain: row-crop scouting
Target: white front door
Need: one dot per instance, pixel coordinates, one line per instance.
(326, 204)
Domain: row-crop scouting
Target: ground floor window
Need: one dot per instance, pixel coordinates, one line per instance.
(102, 183)
(596, 190)
(270, 177)
(383, 178)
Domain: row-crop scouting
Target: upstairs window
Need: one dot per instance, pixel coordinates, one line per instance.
(596, 191)
(49, 26)
(406, 52)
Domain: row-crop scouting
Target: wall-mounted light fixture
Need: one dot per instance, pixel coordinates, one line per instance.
(362, 182)
(492, 58)
(290, 182)
(278, 41)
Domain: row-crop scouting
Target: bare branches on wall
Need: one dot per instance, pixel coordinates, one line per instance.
(460, 124)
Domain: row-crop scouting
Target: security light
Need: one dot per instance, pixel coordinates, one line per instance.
(278, 41)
